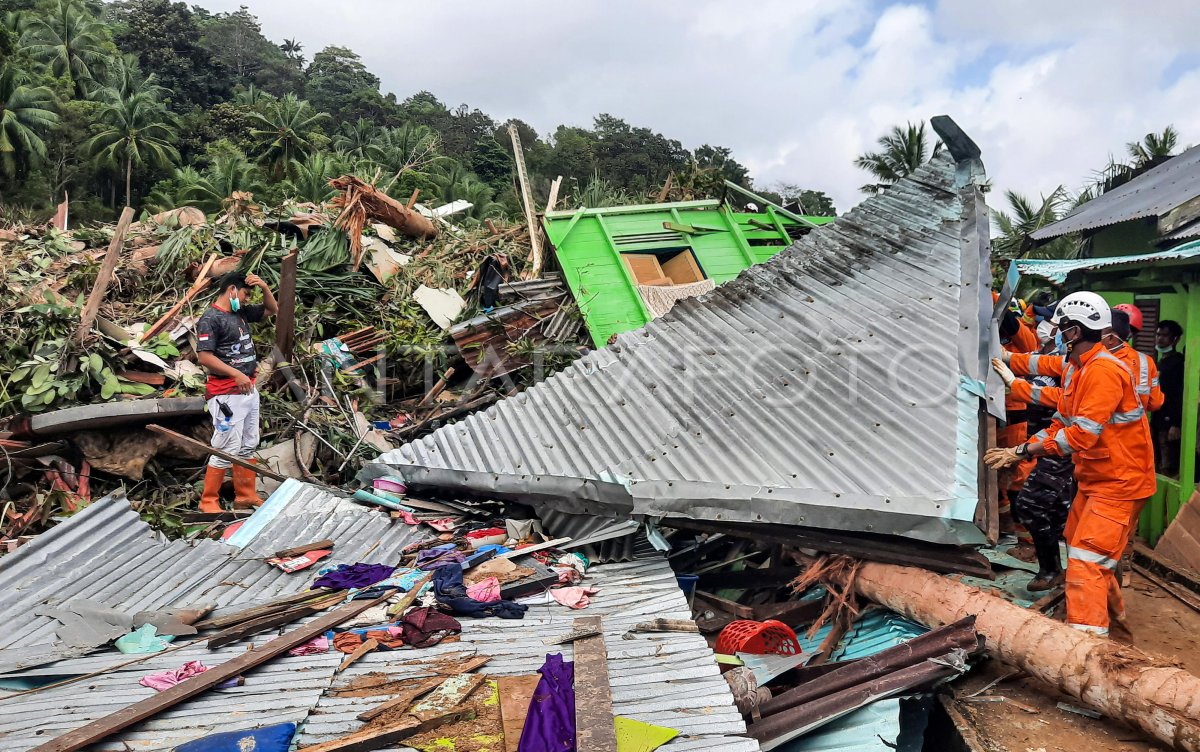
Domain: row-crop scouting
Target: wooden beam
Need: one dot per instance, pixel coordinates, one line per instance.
(263, 609)
(366, 647)
(728, 606)
(101, 729)
(372, 739)
(273, 620)
(516, 693)
(104, 277)
(554, 188)
(188, 441)
(201, 283)
(595, 728)
(535, 240)
(402, 700)
(534, 548)
(285, 320)
(287, 553)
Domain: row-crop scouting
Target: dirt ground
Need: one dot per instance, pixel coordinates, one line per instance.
(1161, 624)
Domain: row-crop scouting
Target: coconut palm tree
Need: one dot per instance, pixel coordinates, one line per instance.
(138, 130)
(410, 150)
(230, 172)
(310, 178)
(25, 116)
(124, 78)
(1153, 147)
(359, 140)
(69, 41)
(292, 49)
(457, 183)
(285, 133)
(903, 150)
(252, 96)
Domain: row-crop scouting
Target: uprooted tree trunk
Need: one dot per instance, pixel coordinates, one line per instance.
(360, 201)
(1119, 681)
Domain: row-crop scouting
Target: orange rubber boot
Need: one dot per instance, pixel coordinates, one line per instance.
(244, 493)
(210, 499)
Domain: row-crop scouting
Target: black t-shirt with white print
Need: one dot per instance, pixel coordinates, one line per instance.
(227, 335)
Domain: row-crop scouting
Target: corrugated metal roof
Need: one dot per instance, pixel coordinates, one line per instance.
(1057, 270)
(842, 375)
(870, 729)
(1151, 194)
(106, 553)
(875, 632)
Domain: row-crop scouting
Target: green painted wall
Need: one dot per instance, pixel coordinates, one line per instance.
(588, 250)
(1126, 239)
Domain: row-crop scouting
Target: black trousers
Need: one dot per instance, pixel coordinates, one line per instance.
(1043, 503)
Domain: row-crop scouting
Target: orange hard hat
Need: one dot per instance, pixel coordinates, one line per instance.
(1135, 314)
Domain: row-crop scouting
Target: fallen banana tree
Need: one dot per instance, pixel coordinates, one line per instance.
(1122, 682)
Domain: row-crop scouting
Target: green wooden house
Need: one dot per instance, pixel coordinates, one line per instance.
(606, 254)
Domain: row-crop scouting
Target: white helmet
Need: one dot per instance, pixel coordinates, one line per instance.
(1086, 308)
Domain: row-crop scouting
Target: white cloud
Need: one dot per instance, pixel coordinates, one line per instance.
(797, 88)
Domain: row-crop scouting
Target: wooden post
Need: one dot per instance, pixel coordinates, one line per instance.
(102, 728)
(199, 285)
(107, 267)
(412, 200)
(285, 320)
(189, 441)
(1191, 394)
(595, 728)
(535, 240)
(554, 187)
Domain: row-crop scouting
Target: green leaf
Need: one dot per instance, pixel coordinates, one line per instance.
(96, 362)
(109, 388)
(20, 374)
(48, 397)
(41, 375)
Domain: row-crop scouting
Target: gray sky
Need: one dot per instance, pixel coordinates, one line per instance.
(797, 88)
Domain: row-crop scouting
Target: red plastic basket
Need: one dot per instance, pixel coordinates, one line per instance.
(768, 637)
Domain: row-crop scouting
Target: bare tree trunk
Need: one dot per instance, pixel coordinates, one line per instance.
(1121, 682)
(128, 179)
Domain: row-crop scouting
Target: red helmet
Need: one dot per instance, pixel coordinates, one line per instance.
(1135, 314)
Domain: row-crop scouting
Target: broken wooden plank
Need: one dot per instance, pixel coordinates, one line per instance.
(188, 441)
(262, 609)
(478, 661)
(287, 553)
(250, 628)
(516, 692)
(534, 549)
(373, 739)
(104, 277)
(403, 700)
(666, 625)
(285, 319)
(723, 604)
(366, 647)
(595, 727)
(201, 283)
(451, 692)
(104, 727)
(1183, 595)
(535, 240)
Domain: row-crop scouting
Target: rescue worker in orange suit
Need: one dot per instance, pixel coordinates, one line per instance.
(1015, 337)
(226, 351)
(1102, 425)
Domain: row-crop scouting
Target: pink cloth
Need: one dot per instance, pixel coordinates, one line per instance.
(314, 646)
(485, 591)
(164, 680)
(574, 597)
(408, 518)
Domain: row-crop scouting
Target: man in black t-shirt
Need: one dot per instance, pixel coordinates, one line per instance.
(226, 351)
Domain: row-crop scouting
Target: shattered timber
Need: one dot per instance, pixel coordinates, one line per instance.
(746, 443)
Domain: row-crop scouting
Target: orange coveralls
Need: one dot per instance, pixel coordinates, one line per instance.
(1102, 424)
(1139, 364)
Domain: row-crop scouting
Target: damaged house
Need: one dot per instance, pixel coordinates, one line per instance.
(837, 385)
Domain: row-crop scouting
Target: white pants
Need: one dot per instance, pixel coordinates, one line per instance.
(241, 438)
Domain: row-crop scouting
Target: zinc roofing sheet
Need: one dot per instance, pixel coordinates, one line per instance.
(1057, 270)
(106, 553)
(1151, 194)
(836, 385)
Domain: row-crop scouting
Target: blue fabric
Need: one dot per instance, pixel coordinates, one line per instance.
(275, 738)
(449, 590)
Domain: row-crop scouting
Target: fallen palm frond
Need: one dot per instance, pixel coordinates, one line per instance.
(360, 201)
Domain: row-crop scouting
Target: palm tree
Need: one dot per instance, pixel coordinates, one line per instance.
(285, 133)
(902, 151)
(25, 115)
(292, 49)
(230, 172)
(252, 96)
(138, 130)
(310, 180)
(1153, 147)
(125, 79)
(69, 41)
(457, 183)
(410, 150)
(359, 140)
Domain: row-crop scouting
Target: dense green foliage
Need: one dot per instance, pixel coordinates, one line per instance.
(158, 104)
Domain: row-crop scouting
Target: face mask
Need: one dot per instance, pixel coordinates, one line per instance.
(1164, 350)
(1060, 347)
(235, 303)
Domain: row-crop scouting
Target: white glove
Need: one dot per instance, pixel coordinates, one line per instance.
(1005, 373)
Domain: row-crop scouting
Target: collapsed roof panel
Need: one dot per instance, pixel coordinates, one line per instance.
(838, 385)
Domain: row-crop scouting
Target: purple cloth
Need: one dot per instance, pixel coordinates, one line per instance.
(550, 725)
(348, 576)
(441, 556)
